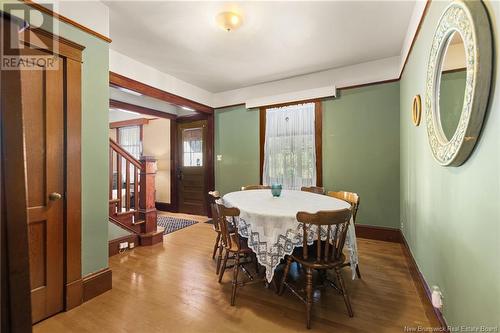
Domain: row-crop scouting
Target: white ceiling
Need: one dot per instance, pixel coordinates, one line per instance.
(277, 39)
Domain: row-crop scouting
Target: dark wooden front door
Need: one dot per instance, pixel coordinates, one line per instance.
(43, 108)
(191, 138)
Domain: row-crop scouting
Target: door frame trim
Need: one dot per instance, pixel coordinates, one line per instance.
(72, 52)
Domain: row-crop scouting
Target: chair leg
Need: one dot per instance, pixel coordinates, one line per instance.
(285, 275)
(309, 292)
(344, 291)
(223, 267)
(358, 273)
(256, 264)
(219, 258)
(216, 246)
(235, 278)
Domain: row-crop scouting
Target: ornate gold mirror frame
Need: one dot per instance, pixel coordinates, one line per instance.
(470, 20)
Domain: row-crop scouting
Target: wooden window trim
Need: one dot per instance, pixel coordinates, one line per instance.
(318, 124)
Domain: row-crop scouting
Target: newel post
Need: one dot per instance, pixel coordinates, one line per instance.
(147, 192)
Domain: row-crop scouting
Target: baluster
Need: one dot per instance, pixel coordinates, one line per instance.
(119, 184)
(110, 173)
(136, 189)
(127, 188)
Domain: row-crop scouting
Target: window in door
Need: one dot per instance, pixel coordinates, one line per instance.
(192, 143)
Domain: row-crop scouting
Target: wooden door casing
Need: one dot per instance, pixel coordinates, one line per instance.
(43, 110)
(191, 179)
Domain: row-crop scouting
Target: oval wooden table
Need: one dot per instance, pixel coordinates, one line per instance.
(271, 226)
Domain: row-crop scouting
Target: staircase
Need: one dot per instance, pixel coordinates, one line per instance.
(132, 194)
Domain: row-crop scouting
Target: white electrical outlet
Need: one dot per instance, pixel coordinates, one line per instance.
(219, 157)
(123, 245)
(131, 245)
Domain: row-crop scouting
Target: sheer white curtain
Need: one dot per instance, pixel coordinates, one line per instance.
(289, 150)
(130, 140)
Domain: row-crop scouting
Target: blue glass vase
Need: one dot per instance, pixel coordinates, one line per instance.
(276, 189)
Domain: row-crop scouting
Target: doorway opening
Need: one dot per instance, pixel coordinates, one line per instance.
(188, 172)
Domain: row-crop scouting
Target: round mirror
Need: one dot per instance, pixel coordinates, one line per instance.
(458, 81)
(452, 85)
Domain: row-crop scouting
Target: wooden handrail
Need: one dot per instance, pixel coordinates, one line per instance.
(125, 154)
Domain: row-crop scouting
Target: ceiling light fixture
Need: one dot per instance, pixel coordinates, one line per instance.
(128, 91)
(229, 21)
(127, 111)
(186, 108)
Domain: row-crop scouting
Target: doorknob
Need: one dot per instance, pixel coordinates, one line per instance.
(54, 196)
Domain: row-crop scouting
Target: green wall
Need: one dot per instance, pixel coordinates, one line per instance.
(451, 215)
(237, 140)
(360, 149)
(95, 101)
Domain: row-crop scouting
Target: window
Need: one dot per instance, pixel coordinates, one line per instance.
(130, 139)
(192, 146)
(289, 152)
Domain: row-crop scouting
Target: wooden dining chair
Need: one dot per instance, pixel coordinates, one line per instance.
(236, 248)
(255, 187)
(328, 255)
(213, 196)
(353, 199)
(313, 189)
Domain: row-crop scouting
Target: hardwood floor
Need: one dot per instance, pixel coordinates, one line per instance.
(172, 287)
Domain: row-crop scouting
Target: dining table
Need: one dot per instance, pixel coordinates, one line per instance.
(271, 227)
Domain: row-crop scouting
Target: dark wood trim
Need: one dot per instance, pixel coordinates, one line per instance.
(318, 129)
(140, 109)
(209, 170)
(15, 282)
(463, 69)
(191, 117)
(173, 168)
(73, 294)
(130, 122)
(66, 20)
(318, 126)
(378, 233)
(419, 27)
(47, 41)
(73, 211)
(97, 283)
(230, 106)
(262, 140)
(114, 244)
(125, 82)
(434, 315)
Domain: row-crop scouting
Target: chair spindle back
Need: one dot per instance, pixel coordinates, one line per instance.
(350, 197)
(228, 217)
(336, 222)
(313, 189)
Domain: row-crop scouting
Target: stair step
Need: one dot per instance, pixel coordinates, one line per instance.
(137, 222)
(129, 212)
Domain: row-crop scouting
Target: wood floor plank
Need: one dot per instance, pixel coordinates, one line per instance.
(172, 287)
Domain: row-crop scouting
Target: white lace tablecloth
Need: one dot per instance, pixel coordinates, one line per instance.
(271, 227)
